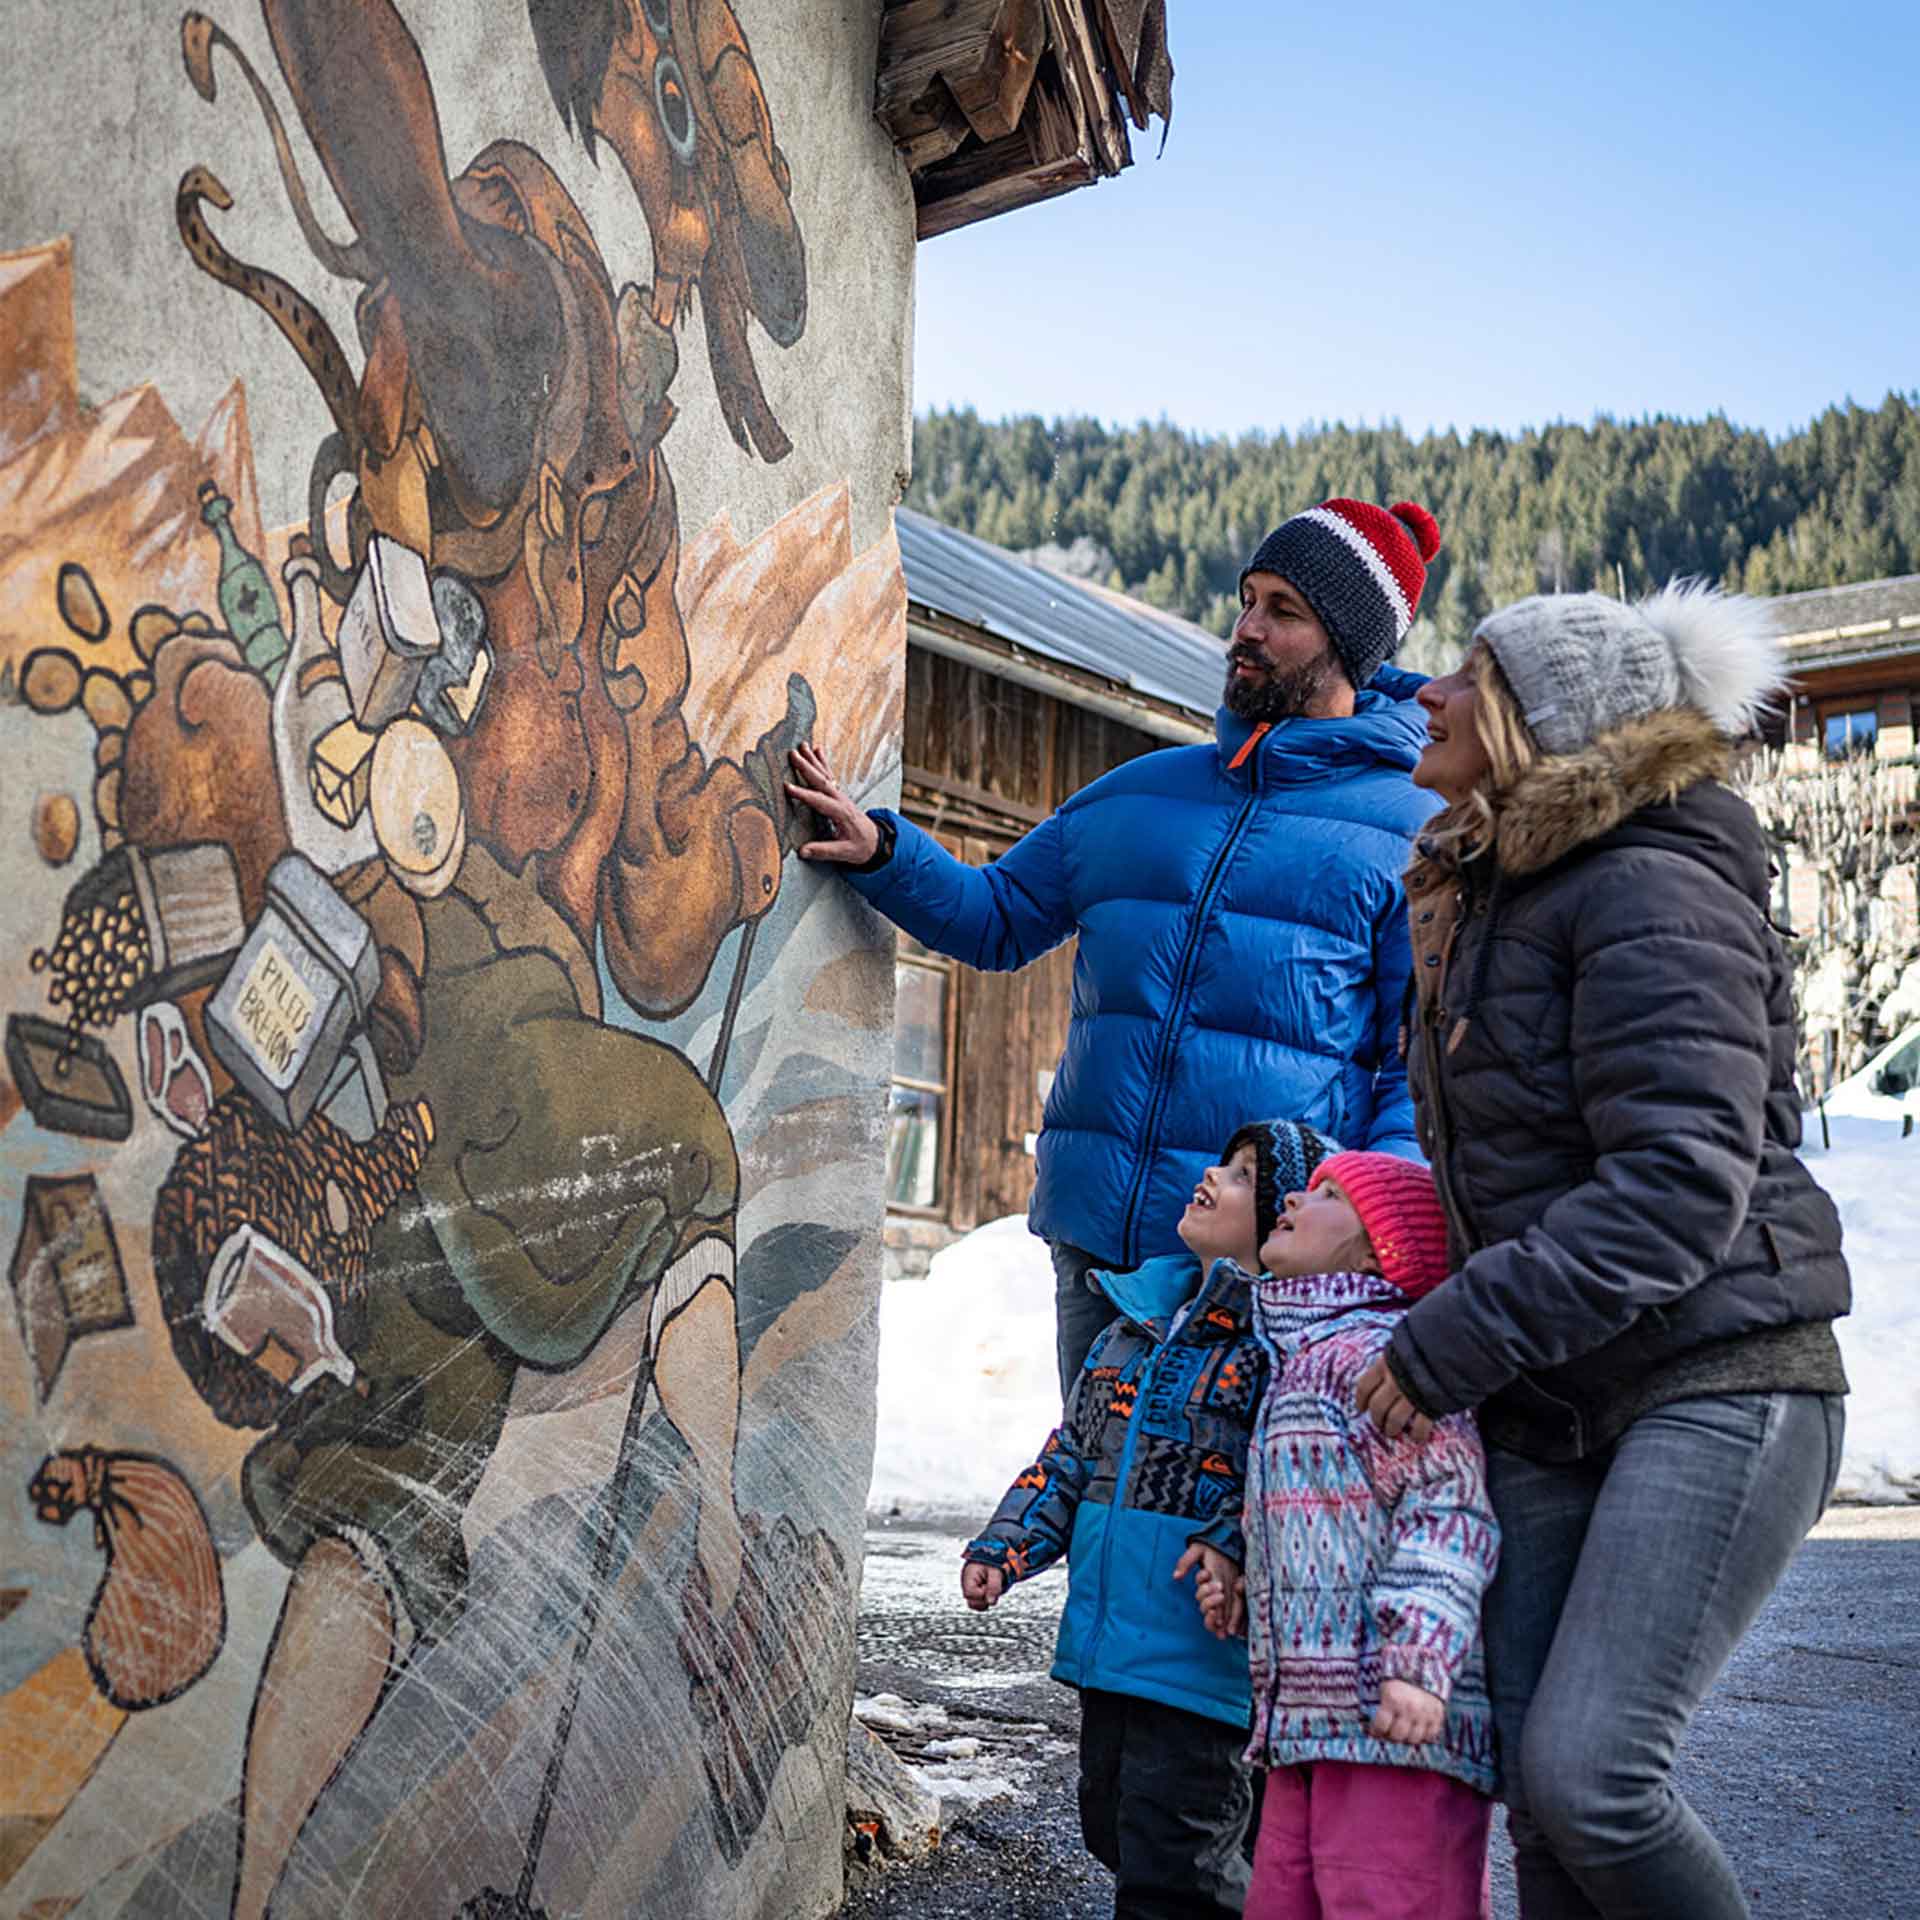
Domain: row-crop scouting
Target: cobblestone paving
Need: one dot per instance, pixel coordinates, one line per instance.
(1805, 1760)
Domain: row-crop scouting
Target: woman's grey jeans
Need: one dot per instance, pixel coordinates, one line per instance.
(1625, 1582)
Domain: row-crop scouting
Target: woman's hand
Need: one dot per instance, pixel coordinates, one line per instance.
(852, 839)
(1377, 1394)
(1409, 1716)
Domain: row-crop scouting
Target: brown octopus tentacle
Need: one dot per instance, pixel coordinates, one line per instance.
(303, 324)
(198, 38)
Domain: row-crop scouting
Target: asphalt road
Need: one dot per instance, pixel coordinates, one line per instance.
(1805, 1760)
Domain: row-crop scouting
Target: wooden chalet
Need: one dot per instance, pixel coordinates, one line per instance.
(1856, 670)
(1838, 789)
(1855, 698)
(1022, 686)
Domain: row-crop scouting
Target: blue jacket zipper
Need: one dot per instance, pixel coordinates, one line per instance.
(1163, 1057)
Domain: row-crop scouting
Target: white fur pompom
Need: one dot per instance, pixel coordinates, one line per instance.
(1726, 647)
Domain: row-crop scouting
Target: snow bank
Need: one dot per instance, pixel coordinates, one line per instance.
(1874, 1177)
(968, 1384)
(968, 1390)
(960, 1770)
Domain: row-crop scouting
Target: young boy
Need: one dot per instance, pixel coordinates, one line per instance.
(1365, 1566)
(1141, 1484)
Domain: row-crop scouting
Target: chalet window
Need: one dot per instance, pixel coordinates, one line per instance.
(918, 1130)
(1851, 733)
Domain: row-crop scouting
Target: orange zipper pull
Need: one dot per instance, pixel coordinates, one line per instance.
(1253, 739)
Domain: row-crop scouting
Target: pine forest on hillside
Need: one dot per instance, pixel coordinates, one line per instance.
(1171, 515)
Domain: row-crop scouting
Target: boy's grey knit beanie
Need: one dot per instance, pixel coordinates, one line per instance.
(1581, 664)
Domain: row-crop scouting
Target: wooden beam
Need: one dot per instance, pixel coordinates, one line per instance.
(994, 98)
(1083, 64)
(929, 128)
(1046, 154)
(973, 796)
(1120, 29)
(922, 39)
(981, 53)
(1135, 32)
(998, 179)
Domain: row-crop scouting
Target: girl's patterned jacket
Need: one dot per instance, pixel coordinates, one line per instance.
(1366, 1558)
(1150, 1457)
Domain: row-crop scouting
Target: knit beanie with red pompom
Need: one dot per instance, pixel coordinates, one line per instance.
(1362, 569)
(1400, 1211)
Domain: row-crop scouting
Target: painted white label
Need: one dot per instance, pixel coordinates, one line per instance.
(272, 1012)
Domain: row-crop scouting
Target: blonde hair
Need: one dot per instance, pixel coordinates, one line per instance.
(1468, 827)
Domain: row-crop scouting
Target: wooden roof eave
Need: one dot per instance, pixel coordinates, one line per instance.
(995, 104)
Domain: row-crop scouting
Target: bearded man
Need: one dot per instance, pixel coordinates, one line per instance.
(1243, 937)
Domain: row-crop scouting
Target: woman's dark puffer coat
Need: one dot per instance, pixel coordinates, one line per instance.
(1601, 1057)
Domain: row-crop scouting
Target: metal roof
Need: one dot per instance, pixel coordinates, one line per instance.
(1153, 653)
(1864, 610)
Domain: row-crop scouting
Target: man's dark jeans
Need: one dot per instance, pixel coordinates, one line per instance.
(1081, 1313)
(1625, 1582)
(1165, 1801)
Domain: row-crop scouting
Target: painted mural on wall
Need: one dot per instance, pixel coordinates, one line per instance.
(422, 1079)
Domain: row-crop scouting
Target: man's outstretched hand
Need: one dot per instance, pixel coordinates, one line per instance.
(852, 839)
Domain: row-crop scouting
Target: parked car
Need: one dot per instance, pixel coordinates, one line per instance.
(1887, 1087)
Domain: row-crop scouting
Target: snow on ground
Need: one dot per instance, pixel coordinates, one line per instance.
(968, 1390)
(959, 1769)
(968, 1384)
(1874, 1177)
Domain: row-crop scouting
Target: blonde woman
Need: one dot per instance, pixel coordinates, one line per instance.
(1600, 1048)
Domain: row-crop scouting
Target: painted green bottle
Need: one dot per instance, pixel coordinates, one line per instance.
(246, 595)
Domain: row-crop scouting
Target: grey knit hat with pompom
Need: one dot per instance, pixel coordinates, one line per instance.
(1581, 663)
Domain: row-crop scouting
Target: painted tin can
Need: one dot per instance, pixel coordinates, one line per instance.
(296, 994)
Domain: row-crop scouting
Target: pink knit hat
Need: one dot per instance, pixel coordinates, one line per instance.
(1400, 1211)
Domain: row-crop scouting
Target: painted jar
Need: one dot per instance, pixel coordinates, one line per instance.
(297, 992)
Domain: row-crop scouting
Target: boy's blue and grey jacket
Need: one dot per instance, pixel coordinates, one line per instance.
(1243, 949)
(1150, 1457)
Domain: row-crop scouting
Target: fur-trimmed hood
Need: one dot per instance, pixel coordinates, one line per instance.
(1626, 783)
(1569, 800)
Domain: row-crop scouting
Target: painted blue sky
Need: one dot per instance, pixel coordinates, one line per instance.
(1487, 214)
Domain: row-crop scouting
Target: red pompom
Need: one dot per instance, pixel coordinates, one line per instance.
(1421, 524)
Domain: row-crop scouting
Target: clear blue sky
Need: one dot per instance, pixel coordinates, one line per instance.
(1470, 213)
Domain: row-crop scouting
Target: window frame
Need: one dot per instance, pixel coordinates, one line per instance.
(1862, 743)
(908, 952)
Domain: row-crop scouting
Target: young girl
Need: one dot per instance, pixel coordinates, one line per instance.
(1366, 1562)
(1602, 1048)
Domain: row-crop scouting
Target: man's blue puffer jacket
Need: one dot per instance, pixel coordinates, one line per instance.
(1243, 951)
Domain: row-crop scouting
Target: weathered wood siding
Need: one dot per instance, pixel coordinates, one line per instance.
(985, 761)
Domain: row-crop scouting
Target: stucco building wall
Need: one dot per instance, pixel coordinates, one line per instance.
(440, 1184)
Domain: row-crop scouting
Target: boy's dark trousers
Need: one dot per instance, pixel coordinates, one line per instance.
(1165, 1802)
